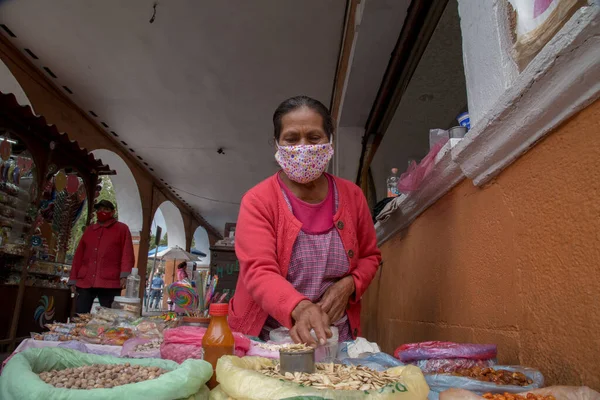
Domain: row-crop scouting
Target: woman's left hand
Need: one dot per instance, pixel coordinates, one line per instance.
(335, 300)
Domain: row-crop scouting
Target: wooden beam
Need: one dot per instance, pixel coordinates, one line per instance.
(343, 65)
(419, 25)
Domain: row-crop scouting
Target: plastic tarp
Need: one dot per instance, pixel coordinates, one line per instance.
(239, 379)
(19, 380)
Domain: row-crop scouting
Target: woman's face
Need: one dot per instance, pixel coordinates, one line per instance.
(302, 126)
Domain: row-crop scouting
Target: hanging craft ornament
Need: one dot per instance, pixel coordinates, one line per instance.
(60, 181)
(72, 184)
(5, 150)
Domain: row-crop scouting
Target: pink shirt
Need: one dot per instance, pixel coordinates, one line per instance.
(315, 218)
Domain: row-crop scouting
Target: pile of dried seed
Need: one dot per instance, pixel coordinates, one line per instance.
(290, 347)
(100, 376)
(151, 345)
(337, 377)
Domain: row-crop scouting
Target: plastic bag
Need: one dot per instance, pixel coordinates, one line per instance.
(446, 365)
(415, 174)
(440, 382)
(80, 346)
(559, 392)
(19, 380)
(129, 349)
(257, 350)
(186, 342)
(116, 336)
(148, 328)
(377, 361)
(435, 135)
(427, 350)
(239, 378)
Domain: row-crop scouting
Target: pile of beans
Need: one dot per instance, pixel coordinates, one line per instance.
(100, 376)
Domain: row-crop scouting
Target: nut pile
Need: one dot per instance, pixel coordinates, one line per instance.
(100, 376)
(151, 345)
(497, 376)
(510, 396)
(338, 377)
(290, 347)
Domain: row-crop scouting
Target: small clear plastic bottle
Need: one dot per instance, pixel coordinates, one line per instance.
(133, 284)
(392, 184)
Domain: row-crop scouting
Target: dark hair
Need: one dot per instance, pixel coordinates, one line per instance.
(293, 103)
(182, 265)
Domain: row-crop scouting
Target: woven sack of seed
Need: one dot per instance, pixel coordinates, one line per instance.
(20, 380)
(244, 378)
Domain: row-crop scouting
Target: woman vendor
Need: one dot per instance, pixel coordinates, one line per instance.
(304, 239)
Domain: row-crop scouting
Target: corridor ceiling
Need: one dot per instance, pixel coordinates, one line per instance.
(179, 80)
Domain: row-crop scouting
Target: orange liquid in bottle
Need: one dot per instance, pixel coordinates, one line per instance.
(218, 340)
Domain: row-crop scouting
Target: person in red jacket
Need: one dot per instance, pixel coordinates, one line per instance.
(103, 260)
(304, 239)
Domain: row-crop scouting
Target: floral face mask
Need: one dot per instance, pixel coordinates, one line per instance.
(304, 163)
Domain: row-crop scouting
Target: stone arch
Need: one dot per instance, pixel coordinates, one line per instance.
(174, 221)
(129, 202)
(202, 243)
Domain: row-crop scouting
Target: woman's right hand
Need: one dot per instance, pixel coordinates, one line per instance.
(309, 316)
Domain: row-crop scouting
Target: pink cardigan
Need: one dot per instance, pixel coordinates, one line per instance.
(265, 234)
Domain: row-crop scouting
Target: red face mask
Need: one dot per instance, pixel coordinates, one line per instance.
(103, 216)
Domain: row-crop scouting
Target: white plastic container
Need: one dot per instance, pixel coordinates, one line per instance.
(132, 306)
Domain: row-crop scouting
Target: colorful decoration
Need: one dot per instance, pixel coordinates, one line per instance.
(183, 295)
(60, 181)
(45, 311)
(72, 184)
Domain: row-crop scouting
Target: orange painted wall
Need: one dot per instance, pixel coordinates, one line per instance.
(515, 263)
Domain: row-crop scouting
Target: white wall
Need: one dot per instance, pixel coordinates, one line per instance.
(348, 145)
(202, 244)
(174, 222)
(8, 84)
(129, 202)
(489, 67)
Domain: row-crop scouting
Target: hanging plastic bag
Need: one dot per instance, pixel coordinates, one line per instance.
(559, 393)
(239, 378)
(438, 350)
(414, 176)
(441, 382)
(20, 380)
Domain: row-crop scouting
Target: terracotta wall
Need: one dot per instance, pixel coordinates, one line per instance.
(515, 263)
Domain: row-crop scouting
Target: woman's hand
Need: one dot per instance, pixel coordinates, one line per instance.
(335, 300)
(309, 316)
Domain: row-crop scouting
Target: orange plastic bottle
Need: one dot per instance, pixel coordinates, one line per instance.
(218, 340)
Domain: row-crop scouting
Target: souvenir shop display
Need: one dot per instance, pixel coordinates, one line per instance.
(47, 187)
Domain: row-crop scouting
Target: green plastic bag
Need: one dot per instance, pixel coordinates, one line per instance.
(239, 379)
(19, 379)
